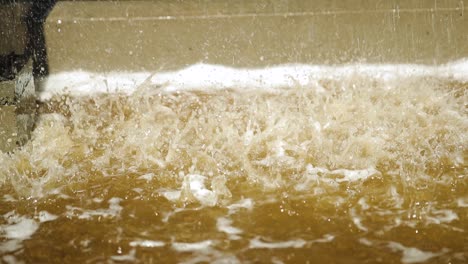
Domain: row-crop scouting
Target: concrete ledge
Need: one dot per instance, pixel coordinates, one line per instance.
(103, 36)
(17, 109)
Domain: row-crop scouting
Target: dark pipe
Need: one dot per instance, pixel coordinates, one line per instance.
(36, 47)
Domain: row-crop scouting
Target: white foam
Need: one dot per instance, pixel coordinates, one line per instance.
(244, 203)
(171, 195)
(197, 246)
(442, 216)
(212, 256)
(169, 214)
(147, 177)
(130, 257)
(195, 184)
(462, 202)
(258, 243)
(8, 198)
(206, 76)
(317, 174)
(357, 220)
(224, 225)
(396, 197)
(17, 229)
(137, 190)
(325, 239)
(97, 200)
(276, 260)
(365, 241)
(354, 175)
(363, 203)
(414, 255)
(10, 259)
(45, 216)
(113, 210)
(147, 243)
(10, 246)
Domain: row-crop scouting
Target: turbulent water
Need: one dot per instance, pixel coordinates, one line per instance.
(349, 170)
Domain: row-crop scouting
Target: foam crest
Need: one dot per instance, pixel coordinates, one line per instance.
(196, 246)
(147, 243)
(114, 210)
(414, 255)
(295, 243)
(225, 225)
(17, 229)
(45, 216)
(206, 76)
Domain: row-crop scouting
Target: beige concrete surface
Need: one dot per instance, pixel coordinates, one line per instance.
(7, 92)
(17, 109)
(8, 128)
(16, 95)
(157, 35)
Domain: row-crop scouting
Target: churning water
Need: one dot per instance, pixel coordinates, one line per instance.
(351, 168)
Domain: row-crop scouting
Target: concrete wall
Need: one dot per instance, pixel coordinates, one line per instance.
(147, 35)
(17, 109)
(16, 103)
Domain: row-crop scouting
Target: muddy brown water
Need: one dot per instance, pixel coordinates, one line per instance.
(355, 170)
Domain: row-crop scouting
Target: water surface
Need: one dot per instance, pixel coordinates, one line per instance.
(348, 170)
